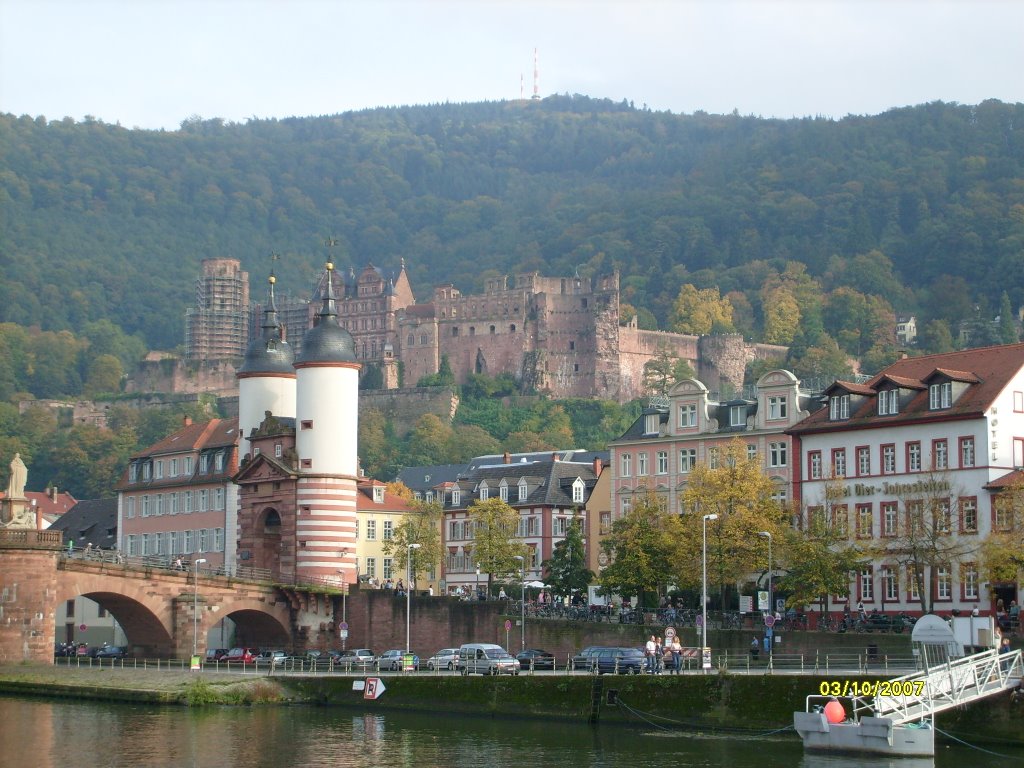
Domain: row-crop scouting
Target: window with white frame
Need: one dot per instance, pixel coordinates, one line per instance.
(940, 395)
(941, 454)
(204, 463)
(158, 504)
(751, 451)
(188, 465)
(890, 518)
(888, 402)
(218, 498)
(174, 467)
(218, 461)
(867, 585)
(389, 530)
(204, 539)
(524, 490)
(371, 567)
(578, 487)
(969, 580)
(371, 530)
(626, 465)
(778, 455)
(737, 415)
(839, 407)
(688, 415)
(913, 588)
(133, 473)
(158, 470)
(560, 526)
(204, 500)
(641, 464)
(888, 459)
(966, 452)
(661, 463)
(652, 422)
(969, 514)
(687, 459)
(890, 584)
(278, 450)
(218, 539)
(145, 505)
(189, 546)
(129, 506)
(839, 462)
(456, 497)
(914, 457)
(943, 517)
(189, 501)
(865, 519)
(503, 491)
(777, 407)
(626, 505)
(943, 583)
(485, 492)
(378, 494)
(814, 465)
(712, 458)
(147, 470)
(387, 568)
(863, 461)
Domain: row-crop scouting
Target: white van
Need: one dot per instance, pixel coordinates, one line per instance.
(486, 659)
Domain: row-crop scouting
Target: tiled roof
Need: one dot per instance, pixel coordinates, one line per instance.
(1008, 480)
(391, 503)
(987, 371)
(51, 508)
(203, 434)
(92, 521)
(550, 482)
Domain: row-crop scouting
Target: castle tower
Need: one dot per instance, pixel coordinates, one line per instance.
(326, 429)
(266, 380)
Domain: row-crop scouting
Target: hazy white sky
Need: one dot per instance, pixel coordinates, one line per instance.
(154, 63)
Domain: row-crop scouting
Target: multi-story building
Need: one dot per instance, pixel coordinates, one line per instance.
(547, 493)
(687, 427)
(176, 498)
(216, 328)
(910, 464)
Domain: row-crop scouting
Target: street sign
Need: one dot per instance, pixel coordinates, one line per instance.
(700, 620)
(343, 625)
(374, 688)
(769, 620)
(670, 632)
(82, 627)
(508, 625)
(705, 661)
(343, 634)
(746, 603)
(762, 600)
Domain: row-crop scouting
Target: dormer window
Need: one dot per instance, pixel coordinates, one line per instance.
(204, 463)
(133, 473)
(737, 415)
(688, 415)
(577, 491)
(218, 461)
(888, 402)
(503, 490)
(378, 494)
(651, 424)
(524, 490)
(777, 407)
(839, 407)
(940, 395)
(485, 492)
(456, 496)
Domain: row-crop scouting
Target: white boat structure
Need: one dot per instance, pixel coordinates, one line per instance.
(896, 717)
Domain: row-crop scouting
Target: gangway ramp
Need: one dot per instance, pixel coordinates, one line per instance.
(957, 682)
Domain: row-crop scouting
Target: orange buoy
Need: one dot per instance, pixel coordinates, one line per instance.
(834, 712)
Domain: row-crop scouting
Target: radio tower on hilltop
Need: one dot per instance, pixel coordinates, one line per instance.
(536, 77)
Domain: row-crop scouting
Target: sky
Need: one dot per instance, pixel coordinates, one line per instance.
(155, 63)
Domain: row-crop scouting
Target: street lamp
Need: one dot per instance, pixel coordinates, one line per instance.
(522, 598)
(704, 584)
(771, 603)
(195, 606)
(408, 590)
(344, 607)
(476, 595)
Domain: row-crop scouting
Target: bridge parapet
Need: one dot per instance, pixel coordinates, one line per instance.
(26, 538)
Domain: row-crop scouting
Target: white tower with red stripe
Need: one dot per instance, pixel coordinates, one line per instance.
(326, 429)
(266, 380)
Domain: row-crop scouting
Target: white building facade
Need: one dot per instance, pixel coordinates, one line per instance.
(903, 462)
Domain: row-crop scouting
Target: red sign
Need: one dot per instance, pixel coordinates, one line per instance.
(82, 627)
(374, 688)
(508, 624)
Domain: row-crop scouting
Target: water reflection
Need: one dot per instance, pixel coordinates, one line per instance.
(58, 734)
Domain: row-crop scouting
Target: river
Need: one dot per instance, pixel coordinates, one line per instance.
(36, 733)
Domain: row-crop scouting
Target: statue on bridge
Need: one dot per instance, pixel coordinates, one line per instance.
(15, 511)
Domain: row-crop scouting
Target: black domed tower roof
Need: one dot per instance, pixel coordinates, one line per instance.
(327, 342)
(269, 353)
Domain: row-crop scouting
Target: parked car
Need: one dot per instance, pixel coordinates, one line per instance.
(357, 658)
(585, 659)
(534, 658)
(446, 658)
(271, 657)
(486, 659)
(393, 660)
(241, 656)
(624, 661)
(110, 652)
(215, 654)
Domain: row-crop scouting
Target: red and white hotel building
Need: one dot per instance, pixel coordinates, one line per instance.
(941, 428)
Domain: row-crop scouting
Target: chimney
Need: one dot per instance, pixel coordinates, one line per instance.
(506, 458)
(52, 492)
(554, 455)
(187, 421)
(598, 466)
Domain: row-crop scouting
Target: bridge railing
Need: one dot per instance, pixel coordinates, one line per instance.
(176, 563)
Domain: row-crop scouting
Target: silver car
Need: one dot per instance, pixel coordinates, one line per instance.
(446, 658)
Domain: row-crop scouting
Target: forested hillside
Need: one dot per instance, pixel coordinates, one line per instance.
(920, 208)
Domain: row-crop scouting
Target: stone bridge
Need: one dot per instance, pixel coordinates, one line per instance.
(162, 612)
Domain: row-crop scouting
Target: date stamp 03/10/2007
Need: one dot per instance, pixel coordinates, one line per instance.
(871, 687)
